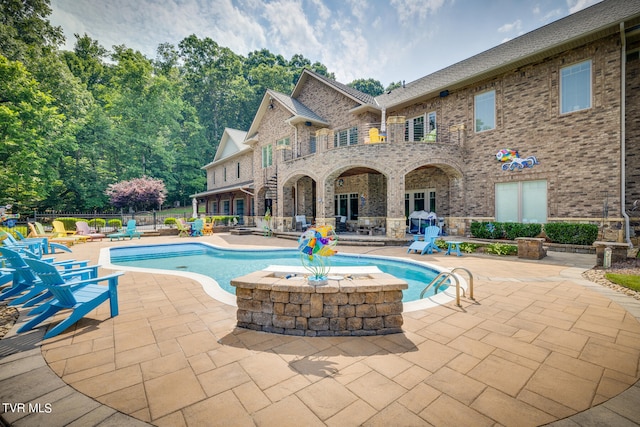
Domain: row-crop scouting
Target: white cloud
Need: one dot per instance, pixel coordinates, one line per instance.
(576, 5)
(514, 26)
(409, 10)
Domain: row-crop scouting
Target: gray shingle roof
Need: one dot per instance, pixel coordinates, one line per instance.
(597, 19)
(354, 93)
(295, 106)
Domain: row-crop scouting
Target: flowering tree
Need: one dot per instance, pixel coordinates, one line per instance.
(139, 193)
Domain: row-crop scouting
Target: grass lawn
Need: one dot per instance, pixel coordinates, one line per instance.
(626, 280)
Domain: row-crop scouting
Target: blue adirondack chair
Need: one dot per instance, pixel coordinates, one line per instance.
(47, 246)
(431, 233)
(81, 297)
(129, 232)
(25, 281)
(196, 227)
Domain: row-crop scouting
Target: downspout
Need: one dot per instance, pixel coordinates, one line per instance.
(623, 135)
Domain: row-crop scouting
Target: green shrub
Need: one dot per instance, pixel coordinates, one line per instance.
(517, 229)
(487, 230)
(441, 244)
(223, 219)
(170, 221)
(97, 223)
(571, 233)
(115, 223)
(468, 248)
(504, 230)
(501, 249)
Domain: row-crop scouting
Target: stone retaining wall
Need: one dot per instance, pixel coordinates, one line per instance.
(359, 305)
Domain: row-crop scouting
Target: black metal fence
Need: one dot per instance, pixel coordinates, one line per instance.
(150, 220)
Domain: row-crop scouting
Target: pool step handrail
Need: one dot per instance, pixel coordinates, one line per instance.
(443, 276)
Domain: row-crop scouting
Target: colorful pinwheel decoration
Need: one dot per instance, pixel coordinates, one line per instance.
(315, 246)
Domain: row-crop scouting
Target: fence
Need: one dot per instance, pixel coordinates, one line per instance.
(150, 220)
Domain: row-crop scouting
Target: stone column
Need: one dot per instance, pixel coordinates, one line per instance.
(396, 221)
(395, 129)
(323, 137)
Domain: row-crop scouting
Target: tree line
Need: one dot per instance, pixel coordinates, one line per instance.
(74, 122)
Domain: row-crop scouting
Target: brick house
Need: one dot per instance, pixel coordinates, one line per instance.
(566, 97)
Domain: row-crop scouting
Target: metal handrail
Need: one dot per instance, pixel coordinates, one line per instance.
(443, 276)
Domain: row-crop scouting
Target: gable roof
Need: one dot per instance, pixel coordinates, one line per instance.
(231, 144)
(299, 112)
(589, 24)
(362, 99)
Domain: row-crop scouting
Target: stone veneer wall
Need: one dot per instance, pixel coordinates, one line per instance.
(370, 305)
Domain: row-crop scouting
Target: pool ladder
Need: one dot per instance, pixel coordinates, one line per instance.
(443, 276)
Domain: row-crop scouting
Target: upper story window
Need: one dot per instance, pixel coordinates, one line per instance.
(414, 129)
(238, 170)
(267, 156)
(224, 175)
(485, 111)
(345, 137)
(421, 128)
(575, 87)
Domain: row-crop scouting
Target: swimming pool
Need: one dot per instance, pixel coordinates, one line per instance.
(224, 264)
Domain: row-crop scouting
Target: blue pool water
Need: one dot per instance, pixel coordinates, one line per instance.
(225, 264)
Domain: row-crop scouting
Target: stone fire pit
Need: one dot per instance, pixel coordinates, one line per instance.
(354, 301)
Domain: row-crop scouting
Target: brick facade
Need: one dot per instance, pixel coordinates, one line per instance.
(579, 153)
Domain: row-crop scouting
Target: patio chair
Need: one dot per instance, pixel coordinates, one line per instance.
(301, 221)
(183, 228)
(207, 229)
(431, 233)
(196, 228)
(375, 137)
(61, 231)
(131, 231)
(47, 246)
(84, 230)
(69, 295)
(25, 281)
(37, 230)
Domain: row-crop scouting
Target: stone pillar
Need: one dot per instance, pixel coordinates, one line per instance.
(323, 137)
(530, 248)
(395, 129)
(396, 221)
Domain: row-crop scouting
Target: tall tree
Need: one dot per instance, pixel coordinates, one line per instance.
(28, 124)
(369, 86)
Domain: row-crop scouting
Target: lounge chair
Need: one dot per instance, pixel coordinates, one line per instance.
(84, 230)
(61, 231)
(37, 230)
(131, 231)
(431, 233)
(47, 246)
(70, 295)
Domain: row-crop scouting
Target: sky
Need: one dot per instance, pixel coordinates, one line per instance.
(387, 40)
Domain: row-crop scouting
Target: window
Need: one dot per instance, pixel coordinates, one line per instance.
(239, 208)
(416, 201)
(575, 87)
(347, 205)
(267, 156)
(345, 137)
(224, 174)
(226, 204)
(523, 201)
(238, 170)
(312, 144)
(414, 129)
(283, 144)
(485, 111)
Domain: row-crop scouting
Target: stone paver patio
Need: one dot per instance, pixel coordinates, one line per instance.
(538, 345)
